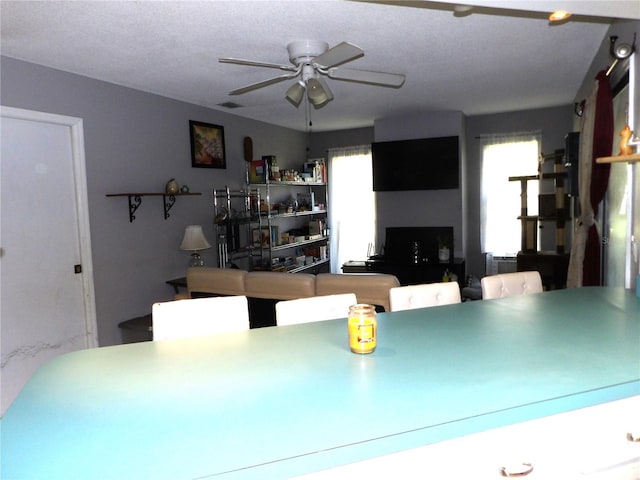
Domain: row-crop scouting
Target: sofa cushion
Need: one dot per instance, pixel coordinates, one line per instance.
(372, 289)
(279, 285)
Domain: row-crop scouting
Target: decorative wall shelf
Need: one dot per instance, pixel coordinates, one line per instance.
(619, 158)
(135, 199)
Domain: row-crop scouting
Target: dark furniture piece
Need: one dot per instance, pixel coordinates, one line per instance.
(416, 245)
(139, 329)
(411, 254)
(407, 273)
(178, 283)
(553, 267)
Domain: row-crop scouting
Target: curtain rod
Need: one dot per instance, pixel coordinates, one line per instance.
(613, 65)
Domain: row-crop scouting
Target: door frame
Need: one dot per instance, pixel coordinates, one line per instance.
(82, 207)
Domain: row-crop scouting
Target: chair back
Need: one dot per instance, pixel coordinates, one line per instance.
(314, 309)
(199, 317)
(509, 284)
(424, 295)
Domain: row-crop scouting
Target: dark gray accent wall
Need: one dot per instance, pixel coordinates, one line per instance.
(423, 208)
(135, 142)
(461, 207)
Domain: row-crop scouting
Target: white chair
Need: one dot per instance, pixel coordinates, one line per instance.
(424, 295)
(509, 284)
(314, 309)
(199, 317)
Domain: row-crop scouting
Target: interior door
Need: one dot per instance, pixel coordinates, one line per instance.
(47, 304)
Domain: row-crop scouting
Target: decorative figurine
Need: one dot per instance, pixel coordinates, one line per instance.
(172, 187)
(625, 136)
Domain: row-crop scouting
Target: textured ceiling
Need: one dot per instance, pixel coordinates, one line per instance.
(489, 60)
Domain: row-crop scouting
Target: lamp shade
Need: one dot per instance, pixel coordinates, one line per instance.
(295, 93)
(318, 92)
(194, 239)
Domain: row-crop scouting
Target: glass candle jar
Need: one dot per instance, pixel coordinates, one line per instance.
(362, 325)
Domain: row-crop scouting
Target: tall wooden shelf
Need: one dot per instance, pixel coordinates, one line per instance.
(562, 212)
(620, 158)
(551, 265)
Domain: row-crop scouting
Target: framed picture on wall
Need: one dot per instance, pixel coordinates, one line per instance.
(207, 145)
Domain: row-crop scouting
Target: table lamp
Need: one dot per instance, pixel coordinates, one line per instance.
(194, 240)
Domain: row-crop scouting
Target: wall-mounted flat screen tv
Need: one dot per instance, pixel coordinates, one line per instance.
(419, 164)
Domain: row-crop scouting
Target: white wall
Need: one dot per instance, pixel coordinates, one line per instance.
(135, 142)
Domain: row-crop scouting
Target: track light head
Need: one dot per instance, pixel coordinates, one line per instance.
(622, 50)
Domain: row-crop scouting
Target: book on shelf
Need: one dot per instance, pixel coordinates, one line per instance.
(306, 201)
(258, 171)
(315, 228)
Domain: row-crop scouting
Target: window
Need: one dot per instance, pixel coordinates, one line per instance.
(616, 205)
(505, 156)
(352, 209)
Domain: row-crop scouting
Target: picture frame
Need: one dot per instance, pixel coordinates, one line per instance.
(207, 145)
(260, 237)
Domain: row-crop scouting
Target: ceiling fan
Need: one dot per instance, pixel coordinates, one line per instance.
(311, 61)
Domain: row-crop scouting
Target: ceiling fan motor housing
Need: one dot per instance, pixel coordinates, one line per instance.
(304, 51)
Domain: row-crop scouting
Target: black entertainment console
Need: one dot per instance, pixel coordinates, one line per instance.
(411, 254)
(409, 274)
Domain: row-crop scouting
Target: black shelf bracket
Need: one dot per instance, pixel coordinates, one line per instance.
(169, 201)
(134, 203)
(135, 199)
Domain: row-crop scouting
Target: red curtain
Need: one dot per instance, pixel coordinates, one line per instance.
(602, 147)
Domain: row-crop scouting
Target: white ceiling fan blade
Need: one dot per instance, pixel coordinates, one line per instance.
(255, 63)
(383, 79)
(264, 83)
(341, 53)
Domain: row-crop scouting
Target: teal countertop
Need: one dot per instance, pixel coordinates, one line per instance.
(282, 401)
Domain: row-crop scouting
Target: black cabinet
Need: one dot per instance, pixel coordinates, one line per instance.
(410, 273)
(553, 267)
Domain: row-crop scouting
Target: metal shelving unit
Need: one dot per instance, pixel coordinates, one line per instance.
(235, 217)
(281, 213)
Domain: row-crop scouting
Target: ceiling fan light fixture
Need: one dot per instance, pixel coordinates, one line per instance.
(462, 10)
(318, 92)
(295, 93)
(312, 62)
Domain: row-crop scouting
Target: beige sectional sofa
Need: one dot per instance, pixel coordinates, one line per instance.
(273, 286)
